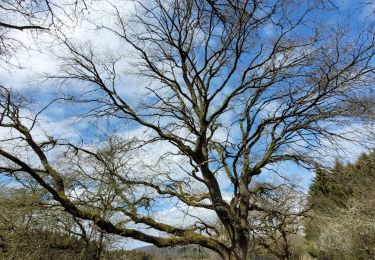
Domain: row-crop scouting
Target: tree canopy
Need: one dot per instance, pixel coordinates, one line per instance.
(225, 93)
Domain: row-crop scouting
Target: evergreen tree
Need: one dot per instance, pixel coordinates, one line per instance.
(342, 199)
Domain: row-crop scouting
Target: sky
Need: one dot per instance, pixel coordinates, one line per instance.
(39, 58)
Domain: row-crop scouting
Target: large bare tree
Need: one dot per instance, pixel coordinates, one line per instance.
(238, 88)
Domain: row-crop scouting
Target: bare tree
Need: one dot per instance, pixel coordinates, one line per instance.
(233, 99)
(280, 224)
(32, 228)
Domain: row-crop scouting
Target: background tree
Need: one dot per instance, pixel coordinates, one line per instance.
(34, 229)
(230, 100)
(278, 228)
(343, 204)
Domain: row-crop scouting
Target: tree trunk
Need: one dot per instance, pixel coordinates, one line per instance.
(237, 254)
